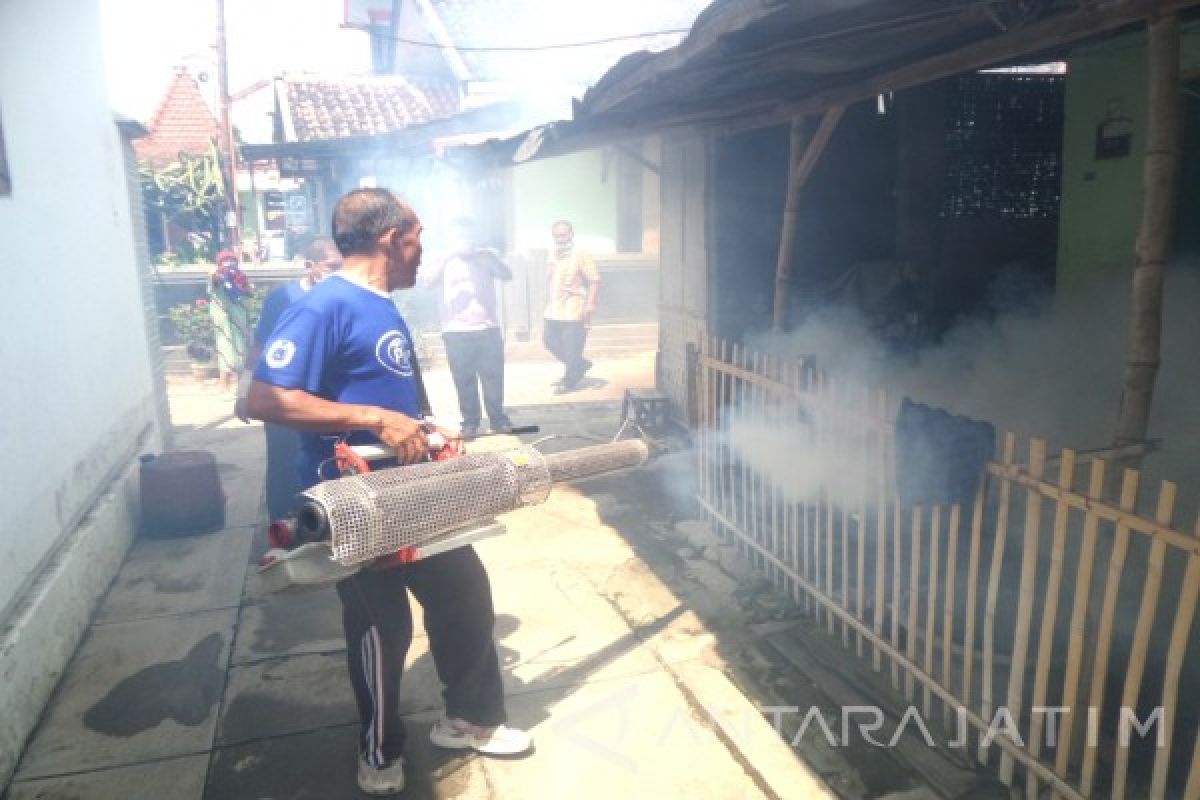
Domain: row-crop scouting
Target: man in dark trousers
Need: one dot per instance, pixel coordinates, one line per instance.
(341, 362)
(573, 285)
(320, 258)
(465, 282)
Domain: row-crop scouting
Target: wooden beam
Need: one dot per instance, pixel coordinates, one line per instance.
(802, 162)
(1160, 190)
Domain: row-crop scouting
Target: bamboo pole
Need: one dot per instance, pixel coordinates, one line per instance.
(952, 535)
(1160, 189)
(914, 598)
(879, 462)
(1176, 652)
(845, 594)
(754, 527)
(1141, 633)
(1080, 606)
(743, 518)
(802, 159)
(723, 441)
(989, 611)
(973, 589)
(897, 550)
(705, 418)
(860, 523)
(1025, 597)
(827, 394)
(765, 488)
(1191, 790)
(1041, 680)
(935, 534)
(1103, 638)
(802, 501)
(1184, 542)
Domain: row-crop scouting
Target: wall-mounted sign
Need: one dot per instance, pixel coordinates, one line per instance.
(1114, 134)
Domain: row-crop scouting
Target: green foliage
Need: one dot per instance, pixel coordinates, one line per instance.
(188, 192)
(254, 304)
(194, 326)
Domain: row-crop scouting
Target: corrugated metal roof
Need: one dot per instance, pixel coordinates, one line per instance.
(755, 62)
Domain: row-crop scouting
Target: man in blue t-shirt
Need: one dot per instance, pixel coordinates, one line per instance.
(320, 259)
(340, 363)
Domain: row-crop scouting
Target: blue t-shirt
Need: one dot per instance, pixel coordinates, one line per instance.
(345, 343)
(278, 300)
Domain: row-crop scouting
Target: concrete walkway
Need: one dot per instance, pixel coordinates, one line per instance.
(192, 683)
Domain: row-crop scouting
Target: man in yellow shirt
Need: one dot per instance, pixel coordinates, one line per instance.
(571, 295)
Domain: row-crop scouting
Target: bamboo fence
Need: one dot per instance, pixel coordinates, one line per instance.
(1026, 583)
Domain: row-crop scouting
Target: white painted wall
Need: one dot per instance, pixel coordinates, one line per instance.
(76, 391)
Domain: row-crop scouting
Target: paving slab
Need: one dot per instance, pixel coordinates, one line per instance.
(306, 692)
(289, 624)
(175, 576)
(320, 765)
(553, 630)
(176, 778)
(286, 695)
(634, 737)
(135, 691)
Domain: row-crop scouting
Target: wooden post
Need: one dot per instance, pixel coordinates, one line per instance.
(1041, 679)
(1136, 670)
(1160, 183)
(1025, 596)
(935, 534)
(914, 600)
(973, 589)
(952, 534)
(879, 456)
(1080, 610)
(1176, 652)
(1103, 638)
(801, 162)
(989, 613)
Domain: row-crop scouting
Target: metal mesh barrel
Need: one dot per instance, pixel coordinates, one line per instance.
(380, 513)
(586, 462)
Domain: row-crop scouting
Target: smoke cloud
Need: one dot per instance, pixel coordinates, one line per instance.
(1051, 368)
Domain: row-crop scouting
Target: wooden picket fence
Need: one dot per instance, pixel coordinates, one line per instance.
(971, 609)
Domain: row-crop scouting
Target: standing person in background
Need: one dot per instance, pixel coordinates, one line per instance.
(228, 288)
(571, 295)
(465, 282)
(283, 444)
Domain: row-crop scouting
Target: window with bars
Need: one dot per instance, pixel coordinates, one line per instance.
(1004, 146)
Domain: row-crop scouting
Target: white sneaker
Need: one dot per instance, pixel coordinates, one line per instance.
(384, 781)
(455, 734)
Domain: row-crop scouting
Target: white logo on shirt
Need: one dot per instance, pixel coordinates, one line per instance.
(394, 354)
(280, 353)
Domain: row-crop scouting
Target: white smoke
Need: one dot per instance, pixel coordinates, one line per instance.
(1052, 372)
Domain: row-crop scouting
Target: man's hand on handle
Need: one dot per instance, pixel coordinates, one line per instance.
(403, 434)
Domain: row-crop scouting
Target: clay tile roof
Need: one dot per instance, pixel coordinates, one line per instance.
(182, 123)
(332, 108)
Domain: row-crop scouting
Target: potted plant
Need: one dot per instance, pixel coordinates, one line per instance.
(194, 326)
